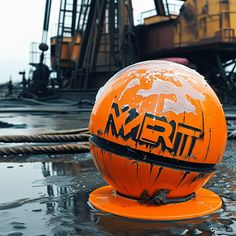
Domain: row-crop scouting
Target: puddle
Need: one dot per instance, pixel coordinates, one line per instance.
(45, 198)
(16, 181)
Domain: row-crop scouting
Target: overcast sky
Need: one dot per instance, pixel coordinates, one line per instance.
(21, 22)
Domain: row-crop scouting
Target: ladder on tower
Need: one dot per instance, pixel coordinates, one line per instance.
(66, 27)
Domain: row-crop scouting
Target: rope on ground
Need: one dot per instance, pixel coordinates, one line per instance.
(80, 136)
(45, 138)
(72, 131)
(54, 149)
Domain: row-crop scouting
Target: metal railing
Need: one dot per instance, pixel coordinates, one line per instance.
(173, 9)
(210, 20)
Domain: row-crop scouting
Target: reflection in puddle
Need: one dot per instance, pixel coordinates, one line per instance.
(45, 197)
(16, 180)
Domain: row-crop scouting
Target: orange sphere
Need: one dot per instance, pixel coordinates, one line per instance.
(157, 125)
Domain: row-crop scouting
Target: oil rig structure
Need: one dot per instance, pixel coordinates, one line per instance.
(95, 39)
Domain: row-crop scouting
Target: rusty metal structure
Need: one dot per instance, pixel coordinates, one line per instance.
(203, 32)
(95, 40)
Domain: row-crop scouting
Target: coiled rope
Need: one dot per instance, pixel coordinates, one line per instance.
(79, 138)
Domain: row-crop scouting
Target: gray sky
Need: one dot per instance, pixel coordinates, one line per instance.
(21, 22)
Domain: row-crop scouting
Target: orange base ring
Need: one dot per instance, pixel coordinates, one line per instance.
(107, 200)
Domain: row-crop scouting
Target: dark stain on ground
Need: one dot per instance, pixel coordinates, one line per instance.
(15, 126)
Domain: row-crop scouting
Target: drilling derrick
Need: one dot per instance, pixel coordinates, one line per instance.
(94, 40)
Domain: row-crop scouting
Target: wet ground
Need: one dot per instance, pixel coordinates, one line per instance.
(47, 195)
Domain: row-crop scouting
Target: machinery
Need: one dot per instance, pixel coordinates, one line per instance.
(95, 40)
(203, 32)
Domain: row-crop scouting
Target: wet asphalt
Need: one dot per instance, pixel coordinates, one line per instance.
(48, 195)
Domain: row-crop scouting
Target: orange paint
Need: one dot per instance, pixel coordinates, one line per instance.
(157, 125)
(205, 203)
